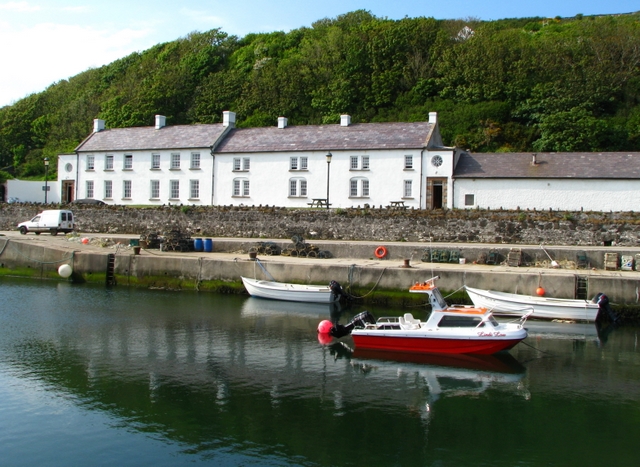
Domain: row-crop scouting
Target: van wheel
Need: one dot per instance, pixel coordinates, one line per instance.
(23, 230)
(54, 232)
(37, 233)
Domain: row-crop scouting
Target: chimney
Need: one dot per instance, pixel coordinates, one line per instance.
(282, 122)
(161, 121)
(98, 125)
(345, 120)
(433, 117)
(534, 160)
(229, 119)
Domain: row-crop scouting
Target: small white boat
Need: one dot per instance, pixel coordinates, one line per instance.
(502, 303)
(291, 292)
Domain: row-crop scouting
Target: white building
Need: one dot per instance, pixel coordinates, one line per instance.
(374, 164)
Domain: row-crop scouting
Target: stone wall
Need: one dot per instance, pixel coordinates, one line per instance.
(454, 226)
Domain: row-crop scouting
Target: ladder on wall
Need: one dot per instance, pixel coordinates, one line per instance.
(111, 266)
(582, 287)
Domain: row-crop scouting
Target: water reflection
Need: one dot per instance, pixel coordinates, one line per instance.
(247, 377)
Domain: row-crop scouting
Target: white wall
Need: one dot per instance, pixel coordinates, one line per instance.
(269, 178)
(573, 195)
(71, 167)
(33, 192)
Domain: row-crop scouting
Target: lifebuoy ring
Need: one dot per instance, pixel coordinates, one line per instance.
(380, 252)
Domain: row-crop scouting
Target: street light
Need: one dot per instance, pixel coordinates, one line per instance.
(46, 172)
(329, 156)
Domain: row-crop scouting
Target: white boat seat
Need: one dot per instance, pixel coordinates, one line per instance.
(404, 324)
(408, 317)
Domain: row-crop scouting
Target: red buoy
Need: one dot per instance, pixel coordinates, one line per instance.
(540, 291)
(325, 326)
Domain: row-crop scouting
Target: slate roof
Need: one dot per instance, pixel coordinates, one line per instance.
(359, 136)
(142, 138)
(578, 165)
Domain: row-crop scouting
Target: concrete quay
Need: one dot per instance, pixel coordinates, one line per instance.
(352, 263)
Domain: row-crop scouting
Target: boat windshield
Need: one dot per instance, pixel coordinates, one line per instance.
(460, 322)
(436, 298)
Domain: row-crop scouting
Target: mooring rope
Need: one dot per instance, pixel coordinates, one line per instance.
(6, 242)
(350, 278)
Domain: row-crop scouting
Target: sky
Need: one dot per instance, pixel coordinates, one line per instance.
(45, 41)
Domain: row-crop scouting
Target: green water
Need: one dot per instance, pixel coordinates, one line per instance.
(92, 376)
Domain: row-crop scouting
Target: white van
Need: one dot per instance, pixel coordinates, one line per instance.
(53, 221)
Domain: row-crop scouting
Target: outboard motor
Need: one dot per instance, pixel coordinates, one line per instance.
(336, 290)
(603, 307)
(359, 320)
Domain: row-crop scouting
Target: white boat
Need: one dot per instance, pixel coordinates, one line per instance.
(290, 292)
(503, 303)
(452, 329)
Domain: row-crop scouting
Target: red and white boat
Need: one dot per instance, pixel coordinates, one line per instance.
(453, 329)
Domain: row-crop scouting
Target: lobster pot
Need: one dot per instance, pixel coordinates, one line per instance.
(208, 245)
(198, 244)
(637, 263)
(611, 261)
(626, 262)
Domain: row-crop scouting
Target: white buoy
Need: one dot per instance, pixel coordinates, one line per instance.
(65, 270)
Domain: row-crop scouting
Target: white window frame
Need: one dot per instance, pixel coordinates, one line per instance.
(127, 163)
(304, 163)
(469, 200)
(126, 189)
(195, 161)
(293, 163)
(155, 161)
(359, 163)
(174, 189)
(89, 189)
(408, 189)
(108, 162)
(194, 189)
(246, 164)
(298, 188)
(359, 187)
(108, 189)
(236, 164)
(175, 161)
(408, 162)
(155, 189)
(240, 188)
(91, 162)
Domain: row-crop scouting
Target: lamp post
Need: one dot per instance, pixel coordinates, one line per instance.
(46, 173)
(329, 156)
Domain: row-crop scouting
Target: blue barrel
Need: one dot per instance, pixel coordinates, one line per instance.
(197, 244)
(208, 245)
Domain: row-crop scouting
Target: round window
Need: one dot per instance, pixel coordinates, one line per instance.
(68, 167)
(436, 161)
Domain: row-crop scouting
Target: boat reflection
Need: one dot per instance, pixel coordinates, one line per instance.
(254, 306)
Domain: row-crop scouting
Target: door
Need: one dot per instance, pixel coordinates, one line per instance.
(67, 191)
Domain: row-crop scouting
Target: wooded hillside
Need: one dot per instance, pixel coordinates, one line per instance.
(529, 84)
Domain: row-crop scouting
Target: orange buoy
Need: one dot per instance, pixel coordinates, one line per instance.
(540, 291)
(380, 252)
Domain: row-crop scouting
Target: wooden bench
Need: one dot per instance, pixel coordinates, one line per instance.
(319, 203)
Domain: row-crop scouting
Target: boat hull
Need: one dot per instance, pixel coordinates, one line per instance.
(423, 344)
(289, 292)
(506, 304)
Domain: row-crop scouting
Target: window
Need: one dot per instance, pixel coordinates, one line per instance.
(359, 163)
(89, 187)
(297, 187)
(126, 189)
(298, 163)
(359, 188)
(128, 162)
(175, 161)
(194, 189)
(246, 164)
(408, 162)
(108, 162)
(436, 161)
(407, 189)
(155, 189)
(108, 189)
(155, 161)
(241, 187)
(195, 160)
(469, 200)
(90, 162)
(174, 192)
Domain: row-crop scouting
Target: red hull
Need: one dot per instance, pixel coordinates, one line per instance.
(433, 345)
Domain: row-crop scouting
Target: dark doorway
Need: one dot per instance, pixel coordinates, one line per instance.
(437, 195)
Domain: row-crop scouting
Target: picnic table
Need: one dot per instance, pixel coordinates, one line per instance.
(319, 203)
(397, 205)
